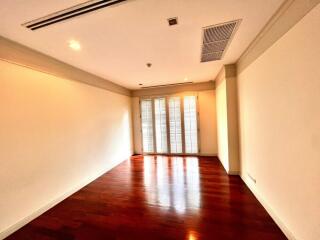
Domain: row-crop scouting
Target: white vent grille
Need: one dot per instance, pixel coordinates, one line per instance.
(71, 12)
(216, 39)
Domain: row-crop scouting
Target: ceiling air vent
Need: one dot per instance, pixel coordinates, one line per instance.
(173, 21)
(216, 39)
(68, 13)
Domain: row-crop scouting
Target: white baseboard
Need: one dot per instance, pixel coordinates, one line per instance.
(11, 229)
(271, 212)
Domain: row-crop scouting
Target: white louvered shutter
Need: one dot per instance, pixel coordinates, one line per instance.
(190, 124)
(147, 125)
(175, 125)
(161, 125)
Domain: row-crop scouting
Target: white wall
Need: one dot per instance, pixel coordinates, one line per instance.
(279, 103)
(207, 123)
(227, 119)
(233, 130)
(222, 123)
(136, 125)
(55, 136)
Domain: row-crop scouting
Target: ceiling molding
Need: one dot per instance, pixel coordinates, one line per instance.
(203, 86)
(230, 70)
(289, 13)
(227, 71)
(16, 53)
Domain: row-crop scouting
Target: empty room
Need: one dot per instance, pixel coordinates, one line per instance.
(160, 119)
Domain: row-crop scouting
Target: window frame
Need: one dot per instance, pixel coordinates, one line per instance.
(167, 97)
(153, 128)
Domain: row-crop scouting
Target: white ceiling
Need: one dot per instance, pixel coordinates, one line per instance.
(117, 42)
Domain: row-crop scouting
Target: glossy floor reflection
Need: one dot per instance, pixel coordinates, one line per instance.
(158, 197)
(172, 183)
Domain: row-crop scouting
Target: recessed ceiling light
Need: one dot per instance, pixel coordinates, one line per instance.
(75, 45)
(186, 79)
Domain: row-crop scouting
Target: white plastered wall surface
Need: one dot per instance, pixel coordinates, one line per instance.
(56, 136)
(227, 119)
(279, 96)
(222, 123)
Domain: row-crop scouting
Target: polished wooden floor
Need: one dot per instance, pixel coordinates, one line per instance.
(157, 197)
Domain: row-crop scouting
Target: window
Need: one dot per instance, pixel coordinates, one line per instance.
(175, 125)
(161, 125)
(147, 125)
(190, 124)
(170, 125)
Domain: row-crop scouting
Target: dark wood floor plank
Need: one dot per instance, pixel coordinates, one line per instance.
(158, 197)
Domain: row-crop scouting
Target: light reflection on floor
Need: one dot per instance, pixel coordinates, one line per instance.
(192, 235)
(172, 182)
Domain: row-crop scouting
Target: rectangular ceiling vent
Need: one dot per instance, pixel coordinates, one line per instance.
(68, 13)
(216, 39)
